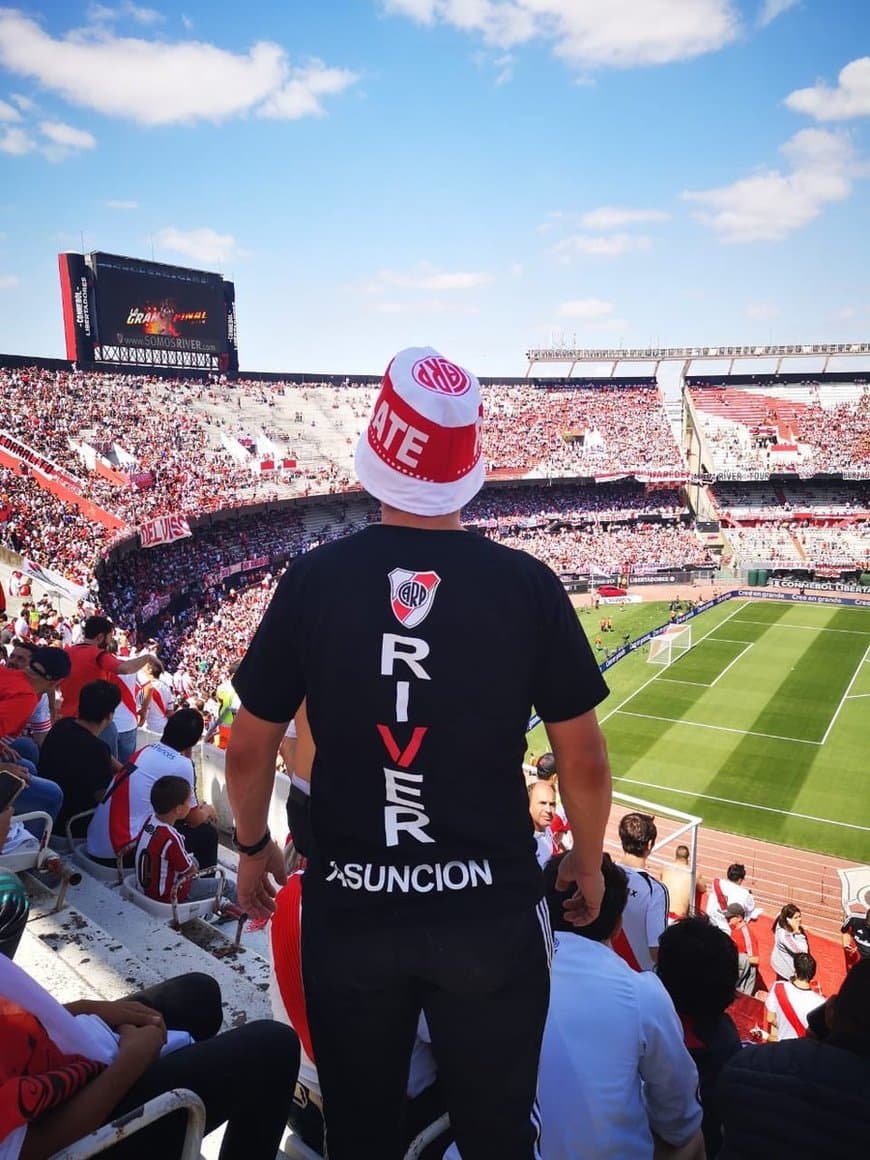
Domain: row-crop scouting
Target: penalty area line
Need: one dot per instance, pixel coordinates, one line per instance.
(845, 695)
(631, 696)
(745, 805)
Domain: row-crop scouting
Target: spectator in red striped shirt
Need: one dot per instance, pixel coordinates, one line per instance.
(743, 937)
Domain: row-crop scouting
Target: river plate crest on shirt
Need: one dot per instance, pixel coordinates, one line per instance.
(412, 595)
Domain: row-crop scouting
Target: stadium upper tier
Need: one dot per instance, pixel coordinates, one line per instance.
(805, 428)
(190, 447)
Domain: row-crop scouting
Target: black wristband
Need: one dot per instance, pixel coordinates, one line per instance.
(257, 846)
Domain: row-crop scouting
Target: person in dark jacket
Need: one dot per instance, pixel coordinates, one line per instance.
(805, 1098)
(698, 965)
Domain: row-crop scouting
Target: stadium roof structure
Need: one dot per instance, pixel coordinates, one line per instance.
(687, 355)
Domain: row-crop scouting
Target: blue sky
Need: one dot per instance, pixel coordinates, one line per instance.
(478, 175)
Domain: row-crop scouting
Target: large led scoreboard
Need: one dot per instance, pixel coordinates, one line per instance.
(127, 312)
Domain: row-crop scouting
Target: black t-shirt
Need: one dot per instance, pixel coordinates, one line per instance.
(859, 929)
(421, 654)
(80, 764)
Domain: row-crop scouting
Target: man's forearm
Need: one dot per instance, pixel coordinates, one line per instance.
(84, 1113)
(250, 773)
(585, 786)
(587, 808)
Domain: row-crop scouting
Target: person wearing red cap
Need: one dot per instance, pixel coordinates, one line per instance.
(421, 649)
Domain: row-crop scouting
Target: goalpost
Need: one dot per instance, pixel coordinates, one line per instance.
(670, 644)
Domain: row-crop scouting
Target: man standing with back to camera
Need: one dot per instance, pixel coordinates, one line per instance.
(421, 649)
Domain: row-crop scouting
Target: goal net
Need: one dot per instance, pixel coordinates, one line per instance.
(670, 644)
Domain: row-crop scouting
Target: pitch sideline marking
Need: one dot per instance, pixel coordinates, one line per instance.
(631, 696)
(719, 728)
(846, 694)
(746, 805)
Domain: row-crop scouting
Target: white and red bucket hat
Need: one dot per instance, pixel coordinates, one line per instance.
(421, 451)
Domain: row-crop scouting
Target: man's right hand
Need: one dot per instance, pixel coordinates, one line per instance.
(140, 1046)
(583, 906)
(255, 887)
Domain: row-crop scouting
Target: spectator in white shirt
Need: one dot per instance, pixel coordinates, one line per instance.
(615, 1077)
(646, 912)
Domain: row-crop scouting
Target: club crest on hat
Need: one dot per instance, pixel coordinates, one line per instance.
(439, 374)
(412, 595)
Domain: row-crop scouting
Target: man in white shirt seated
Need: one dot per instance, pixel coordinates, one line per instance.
(615, 1077)
(723, 891)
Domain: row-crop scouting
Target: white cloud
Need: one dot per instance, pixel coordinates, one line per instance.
(157, 82)
(187, 23)
(16, 142)
(614, 33)
(851, 97)
(8, 112)
(201, 245)
(427, 277)
(773, 8)
(67, 136)
(586, 309)
(600, 245)
(763, 311)
(610, 217)
(103, 14)
(771, 204)
(301, 94)
(141, 14)
(24, 103)
(115, 203)
(8, 281)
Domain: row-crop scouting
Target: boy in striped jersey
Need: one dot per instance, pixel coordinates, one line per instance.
(161, 856)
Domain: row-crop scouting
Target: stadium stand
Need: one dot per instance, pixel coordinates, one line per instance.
(808, 428)
(263, 471)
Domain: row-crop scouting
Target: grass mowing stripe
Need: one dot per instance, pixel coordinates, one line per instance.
(743, 805)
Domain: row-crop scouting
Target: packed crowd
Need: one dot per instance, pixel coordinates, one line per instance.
(142, 427)
(622, 548)
(583, 430)
(567, 503)
(832, 438)
(40, 526)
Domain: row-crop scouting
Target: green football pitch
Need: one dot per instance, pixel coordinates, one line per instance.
(762, 727)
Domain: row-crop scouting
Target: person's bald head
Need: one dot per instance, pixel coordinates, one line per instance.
(542, 804)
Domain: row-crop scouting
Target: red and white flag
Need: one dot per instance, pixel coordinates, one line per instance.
(163, 530)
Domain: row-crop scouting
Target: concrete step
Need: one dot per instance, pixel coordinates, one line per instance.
(105, 945)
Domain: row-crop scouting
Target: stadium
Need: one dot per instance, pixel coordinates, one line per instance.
(435, 502)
